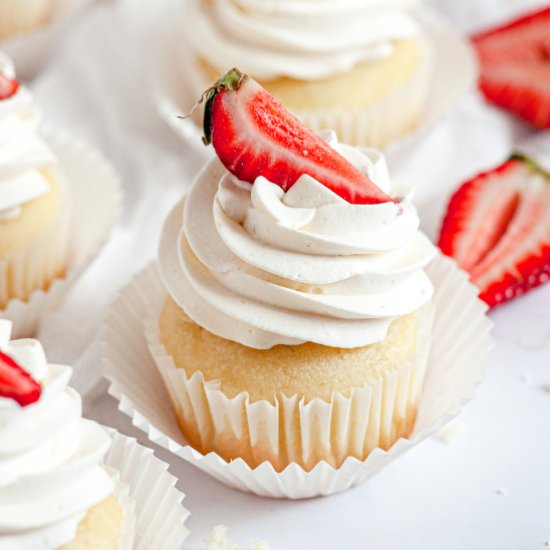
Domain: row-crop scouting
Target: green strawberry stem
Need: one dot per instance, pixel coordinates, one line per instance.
(232, 81)
(531, 163)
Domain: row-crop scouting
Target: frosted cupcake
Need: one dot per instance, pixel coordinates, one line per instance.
(34, 201)
(361, 67)
(295, 282)
(55, 491)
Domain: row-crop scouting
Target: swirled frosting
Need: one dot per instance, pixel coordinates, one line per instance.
(51, 468)
(22, 152)
(303, 39)
(262, 267)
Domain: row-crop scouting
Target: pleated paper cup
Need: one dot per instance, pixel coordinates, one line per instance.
(376, 415)
(448, 75)
(38, 263)
(456, 365)
(95, 196)
(153, 514)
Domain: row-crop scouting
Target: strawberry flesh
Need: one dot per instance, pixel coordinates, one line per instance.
(498, 229)
(254, 135)
(8, 86)
(515, 66)
(16, 383)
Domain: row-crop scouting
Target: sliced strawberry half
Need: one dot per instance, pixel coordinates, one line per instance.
(497, 227)
(8, 86)
(16, 383)
(254, 135)
(515, 66)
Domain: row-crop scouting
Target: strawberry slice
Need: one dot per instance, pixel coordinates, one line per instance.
(515, 66)
(8, 86)
(16, 383)
(254, 135)
(498, 229)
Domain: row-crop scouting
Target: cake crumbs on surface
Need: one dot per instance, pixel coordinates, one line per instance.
(451, 431)
(547, 542)
(502, 491)
(526, 377)
(217, 540)
(546, 387)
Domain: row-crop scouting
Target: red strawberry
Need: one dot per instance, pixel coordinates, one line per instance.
(497, 227)
(16, 383)
(8, 86)
(254, 135)
(515, 66)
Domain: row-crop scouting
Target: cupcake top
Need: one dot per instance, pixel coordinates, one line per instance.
(303, 39)
(302, 240)
(51, 468)
(262, 267)
(23, 154)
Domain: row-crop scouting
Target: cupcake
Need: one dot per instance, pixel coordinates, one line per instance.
(34, 199)
(361, 68)
(295, 290)
(55, 491)
(19, 17)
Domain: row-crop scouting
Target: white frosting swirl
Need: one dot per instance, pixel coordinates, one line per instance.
(253, 264)
(51, 468)
(22, 152)
(304, 39)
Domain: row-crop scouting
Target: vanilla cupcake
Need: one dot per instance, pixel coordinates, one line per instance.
(20, 17)
(34, 199)
(55, 491)
(361, 67)
(298, 314)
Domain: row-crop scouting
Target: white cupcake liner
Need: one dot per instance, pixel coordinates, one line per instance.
(29, 28)
(127, 504)
(128, 510)
(456, 365)
(153, 514)
(41, 261)
(313, 431)
(96, 195)
(454, 73)
(387, 120)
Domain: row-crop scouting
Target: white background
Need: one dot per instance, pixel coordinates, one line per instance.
(97, 83)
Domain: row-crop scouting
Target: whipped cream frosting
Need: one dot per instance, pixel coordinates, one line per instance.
(22, 152)
(51, 468)
(262, 267)
(303, 39)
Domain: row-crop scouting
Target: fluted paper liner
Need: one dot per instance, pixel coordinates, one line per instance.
(291, 429)
(456, 364)
(95, 194)
(128, 510)
(387, 120)
(453, 70)
(38, 263)
(159, 516)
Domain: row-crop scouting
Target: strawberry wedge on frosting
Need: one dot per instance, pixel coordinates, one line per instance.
(274, 246)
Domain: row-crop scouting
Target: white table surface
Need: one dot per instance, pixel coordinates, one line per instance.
(438, 496)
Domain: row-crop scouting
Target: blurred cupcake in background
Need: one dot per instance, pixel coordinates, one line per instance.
(34, 199)
(58, 202)
(360, 67)
(66, 481)
(19, 17)
(55, 490)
